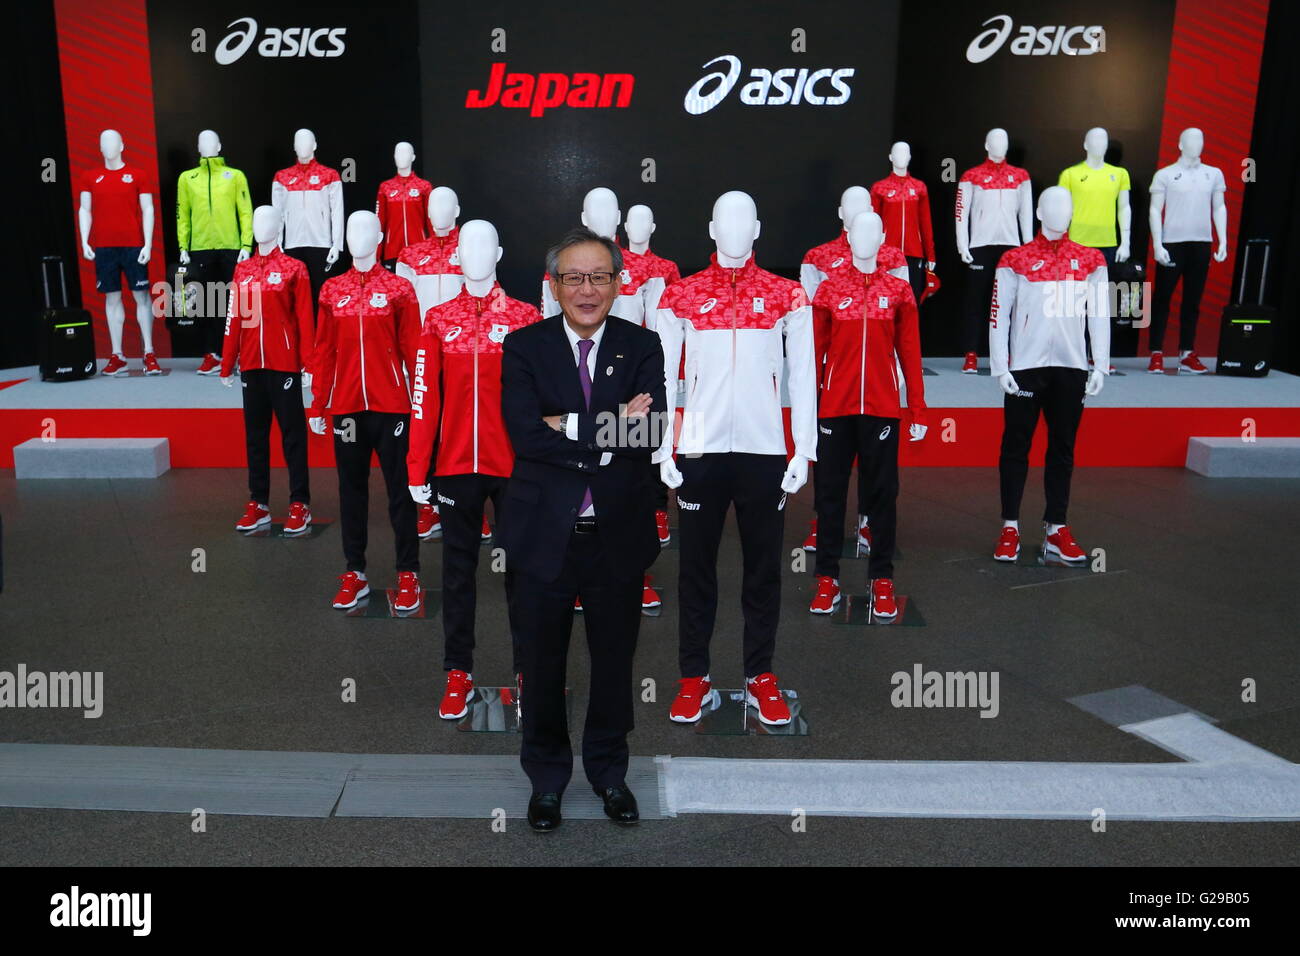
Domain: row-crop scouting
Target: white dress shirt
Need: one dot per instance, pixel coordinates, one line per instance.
(571, 429)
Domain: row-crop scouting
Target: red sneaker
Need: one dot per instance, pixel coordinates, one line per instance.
(408, 591)
(577, 603)
(486, 533)
(972, 363)
(864, 536)
(1008, 548)
(351, 590)
(762, 692)
(429, 522)
(661, 523)
(456, 698)
(827, 597)
(210, 365)
(116, 365)
(649, 597)
(810, 542)
(693, 693)
(1190, 363)
(1063, 545)
(151, 366)
(255, 516)
(1157, 365)
(883, 604)
(299, 519)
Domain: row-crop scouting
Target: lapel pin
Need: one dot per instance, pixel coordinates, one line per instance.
(609, 370)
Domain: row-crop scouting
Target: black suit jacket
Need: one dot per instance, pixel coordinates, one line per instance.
(539, 376)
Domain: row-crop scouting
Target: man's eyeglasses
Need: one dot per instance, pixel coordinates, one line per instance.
(577, 278)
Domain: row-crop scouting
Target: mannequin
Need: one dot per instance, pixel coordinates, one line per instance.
(733, 320)
(214, 229)
(269, 330)
(310, 197)
(826, 260)
(117, 235)
(994, 215)
(862, 316)
(400, 206)
(1187, 212)
(1048, 291)
(366, 340)
(457, 387)
(903, 203)
(638, 284)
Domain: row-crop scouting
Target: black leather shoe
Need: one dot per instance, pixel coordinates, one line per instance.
(544, 811)
(620, 805)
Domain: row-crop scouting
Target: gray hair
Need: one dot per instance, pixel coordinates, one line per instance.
(576, 237)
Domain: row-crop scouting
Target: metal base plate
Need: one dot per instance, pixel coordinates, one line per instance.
(276, 530)
(379, 604)
(733, 717)
(137, 373)
(855, 611)
(850, 551)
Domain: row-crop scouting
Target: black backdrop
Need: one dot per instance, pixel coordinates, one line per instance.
(528, 174)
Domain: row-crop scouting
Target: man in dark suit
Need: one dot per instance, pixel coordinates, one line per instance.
(583, 401)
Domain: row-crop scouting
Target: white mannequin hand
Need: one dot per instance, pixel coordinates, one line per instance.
(306, 379)
(1008, 383)
(931, 265)
(143, 257)
(228, 381)
(669, 474)
(243, 254)
(421, 493)
(331, 257)
(1096, 379)
(1122, 253)
(1162, 256)
(967, 258)
(88, 252)
(185, 258)
(1221, 253)
(796, 475)
(317, 425)
(917, 431)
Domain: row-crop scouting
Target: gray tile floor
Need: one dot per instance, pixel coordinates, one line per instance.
(248, 655)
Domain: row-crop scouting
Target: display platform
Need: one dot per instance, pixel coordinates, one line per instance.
(1138, 420)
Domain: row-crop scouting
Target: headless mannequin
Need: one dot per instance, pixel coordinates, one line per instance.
(900, 158)
(363, 235)
(866, 236)
(733, 229)
(479, 250)
(110, 147)
(209, 147)
(995, 148)
(1095, 143)
(640, 225)
(1055, 208)
(267, 223)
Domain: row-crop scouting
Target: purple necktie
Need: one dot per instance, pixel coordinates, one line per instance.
(584, 376)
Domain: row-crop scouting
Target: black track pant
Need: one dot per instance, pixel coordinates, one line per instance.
(543, 615)
(875, 443)
(460, 501)
(1058, 394)
(356, 437)
(268, 393)
(916, 275)
(1191, 264)
(313, 257)
(210, 267)
(710, 484)
(977, 298)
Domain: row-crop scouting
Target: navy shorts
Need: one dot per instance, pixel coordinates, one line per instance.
(111, 262)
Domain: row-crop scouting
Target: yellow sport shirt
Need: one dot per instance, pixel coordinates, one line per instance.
(1095, 192)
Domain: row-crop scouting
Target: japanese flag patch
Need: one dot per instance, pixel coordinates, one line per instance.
(378, 300)
(498, 333)
(273, 278)
(883, 301)
(758, 304)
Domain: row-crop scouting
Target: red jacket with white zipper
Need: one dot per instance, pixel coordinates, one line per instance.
(367, 328)
(836, 255)
(460, 343)
(903, 205)
(859, 321)
(268, 320)
(402, 207)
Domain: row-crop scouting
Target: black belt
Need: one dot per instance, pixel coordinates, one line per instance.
(584, 526)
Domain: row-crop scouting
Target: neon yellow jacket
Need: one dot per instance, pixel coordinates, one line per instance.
(213, 209)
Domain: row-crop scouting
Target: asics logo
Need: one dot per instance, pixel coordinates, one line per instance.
(342, 302)
(288, 384)
(1035, 41)
(784, 87)
(844, 304)
(707, 305)
(401, 427)
(884, 432)
(294, 41)
(452, 333)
